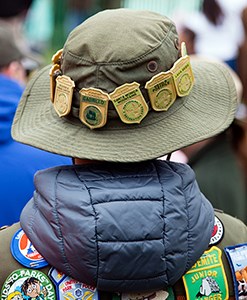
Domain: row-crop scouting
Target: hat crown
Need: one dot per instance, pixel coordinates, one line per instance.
(115, 47)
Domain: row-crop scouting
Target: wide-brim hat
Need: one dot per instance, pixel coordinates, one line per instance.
(110, 49)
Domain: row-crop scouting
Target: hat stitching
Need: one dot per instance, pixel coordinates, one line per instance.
(123, 62)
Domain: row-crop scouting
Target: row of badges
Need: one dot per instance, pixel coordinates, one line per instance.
(127, 99)
(205, 280)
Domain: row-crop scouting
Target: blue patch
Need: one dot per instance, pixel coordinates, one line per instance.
(69, 288)
(237, 257)
(25, 253)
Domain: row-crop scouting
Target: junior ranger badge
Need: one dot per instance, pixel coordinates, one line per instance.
(182, 73)
(161, 91)
(63, 95)
(129, 103)
(93, 107)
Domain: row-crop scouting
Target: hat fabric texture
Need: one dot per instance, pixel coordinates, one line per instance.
(8, 51)
(109, 49)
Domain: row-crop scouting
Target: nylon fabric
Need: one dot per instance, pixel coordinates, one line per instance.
(103, 219)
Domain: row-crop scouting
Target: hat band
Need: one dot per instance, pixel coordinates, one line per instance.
(128, 100)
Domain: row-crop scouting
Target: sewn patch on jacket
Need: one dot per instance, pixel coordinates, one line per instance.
(27, 284)
(218, 232)
(237, 257)
(69, 288)
(25, 253)
(207, 278)
(158, 295)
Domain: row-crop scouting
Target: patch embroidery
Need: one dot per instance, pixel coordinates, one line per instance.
(217, 233)
(206, 280)
(69, 288)
(159, 295)
(25, 253)
(26, 284)
(237, 257)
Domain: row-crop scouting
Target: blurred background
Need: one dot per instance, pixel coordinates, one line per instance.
(49, 21)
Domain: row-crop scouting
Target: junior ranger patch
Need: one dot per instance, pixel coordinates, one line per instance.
(93, 107)
(218, 232)
(129, 103)
(207, 279)
(158, 295)
(69, 288)
(28, 284)
(237, 257)
(25, 253)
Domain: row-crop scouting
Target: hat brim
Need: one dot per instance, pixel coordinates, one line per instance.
(207, 111)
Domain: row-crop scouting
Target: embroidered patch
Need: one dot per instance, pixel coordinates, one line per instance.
(159, 295)
(27, 284)
(237, 257)
(207, 278)
(217, 233)
(69, 288)
(25, 253)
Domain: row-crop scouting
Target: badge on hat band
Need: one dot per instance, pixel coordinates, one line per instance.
(129, 103)
(218, 232)
(207, 278)
(54, 72)
(161, 90)
(56, 58)
(69, 288)
(182, 74)
(63, 95)
(93, 107)
(237, 257)
(27, 284)
(25, 253)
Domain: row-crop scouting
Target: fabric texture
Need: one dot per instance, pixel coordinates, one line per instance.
(114, 226)
(117, 59)
(18, 162)
(220, 177)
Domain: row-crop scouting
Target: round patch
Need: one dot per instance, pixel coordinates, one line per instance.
(25, 253)
(133, 110)
(92, 115)
(184, 84)
(163, 99)
(27, 284)
(217, 233)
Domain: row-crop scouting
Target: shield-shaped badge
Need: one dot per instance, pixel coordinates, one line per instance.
(161, 91)
(129, 103)
(93, 107)
(63, 95)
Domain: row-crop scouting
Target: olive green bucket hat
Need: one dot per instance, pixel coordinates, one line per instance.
(122, 89)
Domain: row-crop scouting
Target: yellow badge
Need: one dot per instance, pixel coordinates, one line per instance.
(129, 103)
(56, 58)
(182, 74)
(93, 107)
(161, 91)
(63, 95)
(54, 69)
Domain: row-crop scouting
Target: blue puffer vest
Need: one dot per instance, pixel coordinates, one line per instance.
(120, 227)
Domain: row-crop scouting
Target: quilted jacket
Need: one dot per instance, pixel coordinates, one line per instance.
(120, 227)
